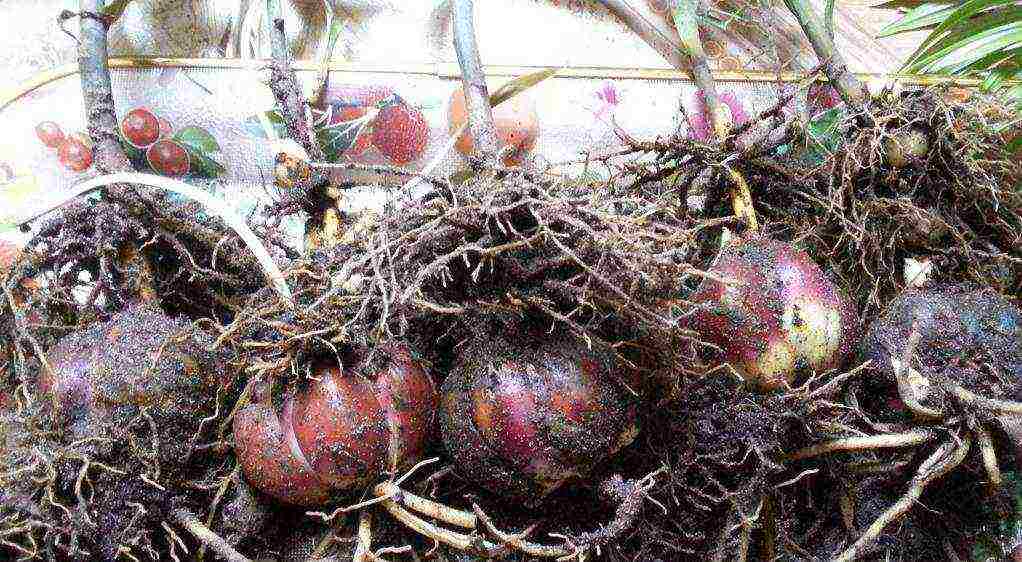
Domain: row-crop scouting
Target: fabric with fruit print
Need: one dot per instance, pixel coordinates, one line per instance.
(353, 118)
(74, 151)
(516, 121)
(150, 142)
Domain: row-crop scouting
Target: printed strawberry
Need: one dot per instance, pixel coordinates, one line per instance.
(50, 133)
(401, 133)
(346, 130)
(516, 121)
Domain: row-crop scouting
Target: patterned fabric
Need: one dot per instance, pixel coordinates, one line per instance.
(215, 121)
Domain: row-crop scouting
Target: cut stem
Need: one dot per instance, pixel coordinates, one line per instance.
(97, 92)
(286, 90)
(477, 96)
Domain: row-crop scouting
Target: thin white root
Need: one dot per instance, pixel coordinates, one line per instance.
(945, 459)
(273, 274)
(189, 522)
(439, 534)
(364, 538)
(973, 399)
(883, 441)
(989, 455)
(426, 507)
(518, 542)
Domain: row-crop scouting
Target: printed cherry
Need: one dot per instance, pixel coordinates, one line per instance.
(168, 158)
(140, 127)
(50, 134)
(74, 154)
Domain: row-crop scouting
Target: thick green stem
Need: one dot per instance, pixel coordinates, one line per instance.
(851, 90)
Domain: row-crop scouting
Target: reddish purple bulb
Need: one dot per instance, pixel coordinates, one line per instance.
(521, 417)
(341, 432)
(778, 316)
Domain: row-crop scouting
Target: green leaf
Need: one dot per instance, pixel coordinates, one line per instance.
(977, 52)
(202, 165)
(824, 133)
(968, 38)
(514, 87)
(267, 125)
(114, 10)
(198, 138)
(926, 15)
(336, 138)
(828, 18)
(1015, 145)
(911, 4)
(963, 13)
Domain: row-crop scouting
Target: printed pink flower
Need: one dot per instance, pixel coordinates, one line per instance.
(700, 123)
(607, 94)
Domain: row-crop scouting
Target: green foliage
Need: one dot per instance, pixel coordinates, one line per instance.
(979, 38)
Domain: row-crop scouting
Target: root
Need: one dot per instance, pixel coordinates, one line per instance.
(439, 534)
(987, 453)
(883, 441)
(204, 535)
(972, 399)
(518, 541)
(364, 539)
(426, 507)
(945, 459)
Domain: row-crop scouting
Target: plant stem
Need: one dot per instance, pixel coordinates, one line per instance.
(851, 90)
(286, 89)
(97, 91)
(660, 37)
(686, 18)
(477, 96)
